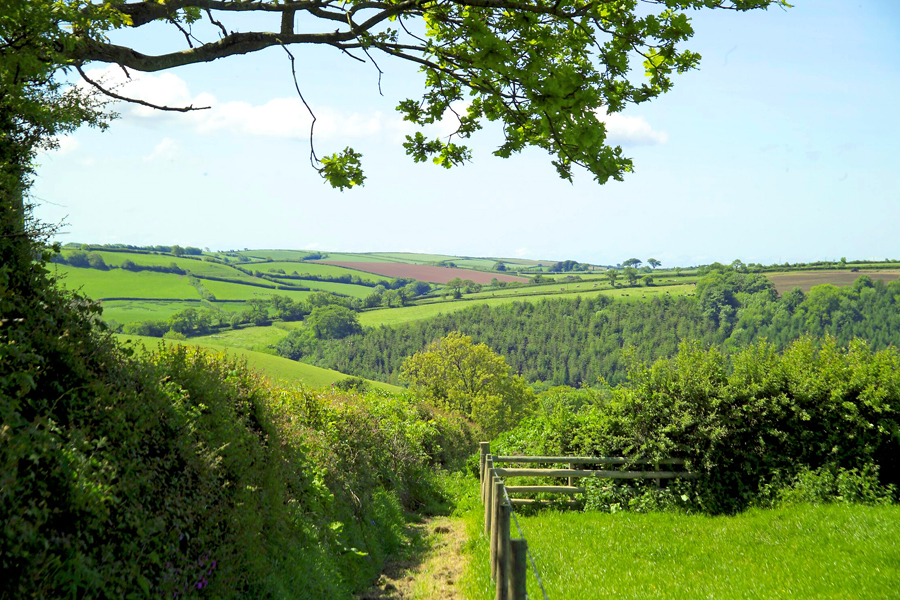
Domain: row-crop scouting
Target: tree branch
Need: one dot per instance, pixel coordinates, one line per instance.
(112, 94)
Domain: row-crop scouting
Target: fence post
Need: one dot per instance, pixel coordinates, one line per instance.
(496, 496)
(488, 495)
(503, 550)
(486, 476)
(484, 450)
(518, 567)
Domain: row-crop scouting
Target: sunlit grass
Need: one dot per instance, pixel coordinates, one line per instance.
(835, 551)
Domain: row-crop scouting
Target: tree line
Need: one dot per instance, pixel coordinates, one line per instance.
(583, 340)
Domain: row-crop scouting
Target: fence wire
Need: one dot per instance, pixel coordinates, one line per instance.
(537, 575)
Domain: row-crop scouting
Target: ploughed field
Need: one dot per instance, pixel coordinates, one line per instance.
(805, 280)
(427, 273)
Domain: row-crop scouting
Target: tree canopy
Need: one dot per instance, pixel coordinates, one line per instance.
(547, 70)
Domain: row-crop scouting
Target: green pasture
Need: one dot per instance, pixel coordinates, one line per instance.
(274, 366)
(225, 290)
(355, 257)
(258, 339)
(128, 311)
(194, 266)
(117, 283)
(831, 551)
(346, 289)
(317, 269)
(479, 264)
(275, 254)
(413, 257)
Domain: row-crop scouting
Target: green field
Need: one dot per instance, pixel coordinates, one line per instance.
(831, 551)
(355, 257)
(128, 311)
(396, 316)
(224, 290)
(117, 283)
(344, 289)
(312, 268)
(274, 366)
(412, 257)
(194, 266)
(275, 254)
(249, 338)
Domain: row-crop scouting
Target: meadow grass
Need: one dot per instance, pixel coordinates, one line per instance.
(128, 311)
(406, 314)
(275, 367)
(345, 289)
(118, 283)
(275, 254)
(258, 339)
(224, 290)
(196, 267)
(312, 268)
(413, 257)
(355, 257)
(831, 551)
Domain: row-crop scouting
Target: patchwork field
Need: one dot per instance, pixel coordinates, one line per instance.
(128, 311)
(805, 280)
(317, 269)
(427, 273)
(225, 290)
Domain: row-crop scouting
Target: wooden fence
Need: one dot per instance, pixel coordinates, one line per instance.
(508, 557)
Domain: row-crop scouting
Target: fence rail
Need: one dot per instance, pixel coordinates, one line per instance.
(509, 557)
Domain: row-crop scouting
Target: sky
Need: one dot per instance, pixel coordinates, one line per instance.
(784, 146)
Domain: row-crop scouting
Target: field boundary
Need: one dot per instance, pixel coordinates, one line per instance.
(508, 556)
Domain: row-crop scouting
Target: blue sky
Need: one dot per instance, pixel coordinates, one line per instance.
(783, 146)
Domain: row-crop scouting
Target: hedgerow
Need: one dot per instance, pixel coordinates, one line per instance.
(747, 422)
(187, 474)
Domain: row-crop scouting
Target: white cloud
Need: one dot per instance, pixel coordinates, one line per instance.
(67, 144)
(521, 252)
(312, 246)
(630, 131)
(167, 149)
(279, 117)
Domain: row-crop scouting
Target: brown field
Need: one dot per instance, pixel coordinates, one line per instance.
(785, 282)
(422, 272)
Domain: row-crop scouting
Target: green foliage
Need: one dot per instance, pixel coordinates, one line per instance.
(332, 322)
(743, 421)
(471, 379)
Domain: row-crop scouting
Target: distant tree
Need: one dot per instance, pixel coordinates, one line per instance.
(843, 261)
(472, 379)
(678, 271)
(632, 262)
(391, 298)
(79, 258)
(455, 287)
(653, 263)
(494, 282)
(612, 275)
(96, 261)
(647, 280)
(630, 275)
(417, 288)
(177, 250)
(333, 322)
(128, 265)
(498, 266)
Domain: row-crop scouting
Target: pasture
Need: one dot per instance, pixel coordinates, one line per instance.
(275, 367)
(805, 280)
(118, 283)
(802, 551)
(128, 311)
(275, 254)
(427, 273)
(225, 290)
(315, 269)
(191, 265)
(258, 339)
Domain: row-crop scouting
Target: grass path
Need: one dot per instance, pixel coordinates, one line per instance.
(433, 574)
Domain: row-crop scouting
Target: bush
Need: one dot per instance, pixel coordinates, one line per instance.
(751, 420)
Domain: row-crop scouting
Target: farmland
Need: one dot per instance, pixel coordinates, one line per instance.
(805, 280)
(98, 284)
(427, 273)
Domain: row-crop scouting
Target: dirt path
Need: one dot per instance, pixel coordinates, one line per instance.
(433, 575)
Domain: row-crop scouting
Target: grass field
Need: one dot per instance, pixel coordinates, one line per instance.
(355, 257)
(117, 283)
(274, 366)
(275, 254)
(805, 280)
(832, 551)
(312, 268)
(224, 290)
(406, 314)
(128, 311)
(249, 338)
(413, 257)
(196, 267)
(345, 289)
